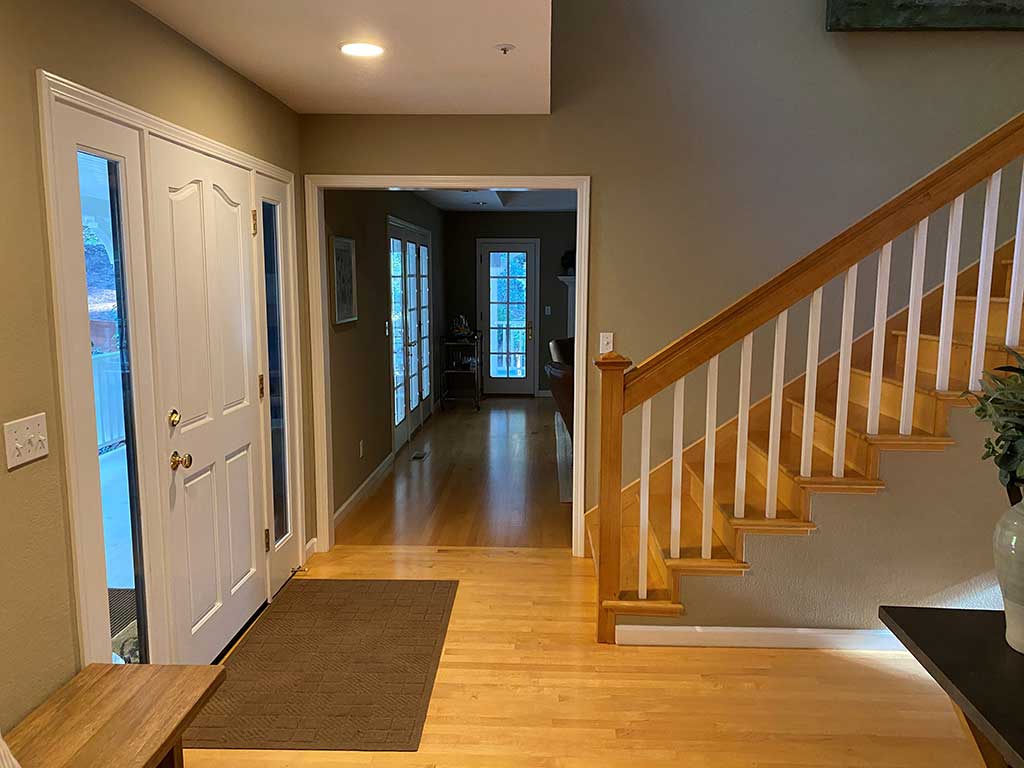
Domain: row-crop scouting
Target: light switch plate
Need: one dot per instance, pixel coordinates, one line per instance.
(607, 342)
(547, 310)
(26, 440)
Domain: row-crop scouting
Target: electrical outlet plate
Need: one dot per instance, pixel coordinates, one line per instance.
(607, 342)
(26, 440)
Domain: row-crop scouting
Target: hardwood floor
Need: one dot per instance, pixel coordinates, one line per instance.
(489, 478)
(522, 683)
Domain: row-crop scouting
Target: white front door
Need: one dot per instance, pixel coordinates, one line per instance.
(410, 339)
(507, 292)
(273, 211)
(204, 313)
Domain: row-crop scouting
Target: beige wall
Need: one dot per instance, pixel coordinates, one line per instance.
(113, 47)
(725, 139)
(359, 351)
(557, 233)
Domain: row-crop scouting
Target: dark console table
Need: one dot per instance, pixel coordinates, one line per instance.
(966, 652)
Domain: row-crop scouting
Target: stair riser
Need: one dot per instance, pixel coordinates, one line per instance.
(890, 404)
(790, 493)
(963, 319)
(959, 359)
(720, 521)
(859, 454)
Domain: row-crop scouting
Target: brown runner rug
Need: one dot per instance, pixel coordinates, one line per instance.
(332, 664)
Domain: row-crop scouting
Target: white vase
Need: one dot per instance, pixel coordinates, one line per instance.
(1008, 547)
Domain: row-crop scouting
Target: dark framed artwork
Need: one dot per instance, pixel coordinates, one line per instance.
(343, 263)
(860, 15)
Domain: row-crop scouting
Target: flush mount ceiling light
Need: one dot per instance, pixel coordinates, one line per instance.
(362, 50)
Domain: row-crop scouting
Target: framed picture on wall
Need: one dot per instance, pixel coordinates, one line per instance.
(343, 255)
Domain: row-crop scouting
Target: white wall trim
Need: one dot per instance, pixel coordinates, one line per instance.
(757, 637)
(315, 185)
(53, 90)
(310, 548)
(365, 488)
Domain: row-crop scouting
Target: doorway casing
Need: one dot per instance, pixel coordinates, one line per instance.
(319, 300)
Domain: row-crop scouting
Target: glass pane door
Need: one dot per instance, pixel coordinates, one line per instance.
(412, 327)
(100, 197)
(507, 300)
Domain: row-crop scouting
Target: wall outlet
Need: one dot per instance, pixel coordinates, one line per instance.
(547, 310)
(362, 449)
(607, 342)
(26, 440)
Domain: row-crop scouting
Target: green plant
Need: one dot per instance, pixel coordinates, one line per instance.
(1001, 403)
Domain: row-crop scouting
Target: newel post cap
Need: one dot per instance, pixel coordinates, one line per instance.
(611, 361)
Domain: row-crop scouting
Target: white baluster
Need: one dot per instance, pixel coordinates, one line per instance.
(645, 495)
(775, 425)
(878, 338)
(743, 425)
(988, 248)
(845, 355)
(710, 425)
(1017, 277)
(913, 328)
(677, 469)
(956, 220)
(810, 383)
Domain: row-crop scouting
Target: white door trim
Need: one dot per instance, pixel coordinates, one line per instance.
(316, 249)
(532, 303)
(53, 90)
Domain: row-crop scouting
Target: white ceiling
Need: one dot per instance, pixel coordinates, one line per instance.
(439, 57)
(500, 200)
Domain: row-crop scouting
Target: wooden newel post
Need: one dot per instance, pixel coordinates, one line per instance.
(613, 368)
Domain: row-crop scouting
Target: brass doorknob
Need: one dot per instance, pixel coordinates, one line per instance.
(173, 417)
(181, 460)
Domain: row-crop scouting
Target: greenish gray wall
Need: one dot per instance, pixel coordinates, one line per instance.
(724, 140)
(113, 47)
(557, 233)
(360, 351)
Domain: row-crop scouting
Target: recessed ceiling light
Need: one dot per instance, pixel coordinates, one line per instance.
(363, 50)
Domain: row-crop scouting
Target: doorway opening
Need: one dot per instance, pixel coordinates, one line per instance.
(479, 287)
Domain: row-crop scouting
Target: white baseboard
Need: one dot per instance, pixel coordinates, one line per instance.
(544, 393)
(365, 488)
(310, 548)
(757, 637)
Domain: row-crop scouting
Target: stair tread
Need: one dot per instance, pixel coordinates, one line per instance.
(962, 340)
(857, 416)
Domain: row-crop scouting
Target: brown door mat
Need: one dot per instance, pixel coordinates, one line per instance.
(332, 664)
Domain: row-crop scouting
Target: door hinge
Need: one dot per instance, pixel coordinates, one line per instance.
(254, 222)
(259, 381)
(266, 539)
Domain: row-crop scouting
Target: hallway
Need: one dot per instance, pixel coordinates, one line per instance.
(487, 478)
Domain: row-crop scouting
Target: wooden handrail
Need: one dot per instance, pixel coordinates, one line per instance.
(858, 241)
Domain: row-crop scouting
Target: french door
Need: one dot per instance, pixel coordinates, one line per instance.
(507, 295)
(206, 359)
(409, 328)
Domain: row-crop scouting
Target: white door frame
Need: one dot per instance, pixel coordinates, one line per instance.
(87, 540)
(398, 223)
(532, 304)
(316, 250)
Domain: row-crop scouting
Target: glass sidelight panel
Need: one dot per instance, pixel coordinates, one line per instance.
(100, 198)
(272, 279)
(424, 305)
(398, 328)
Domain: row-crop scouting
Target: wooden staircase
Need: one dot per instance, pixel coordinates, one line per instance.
(891, 389)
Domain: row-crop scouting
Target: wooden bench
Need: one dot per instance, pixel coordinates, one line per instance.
(129, 716)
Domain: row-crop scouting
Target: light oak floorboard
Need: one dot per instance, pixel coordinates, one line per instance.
(489, 478)
(523, 683)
